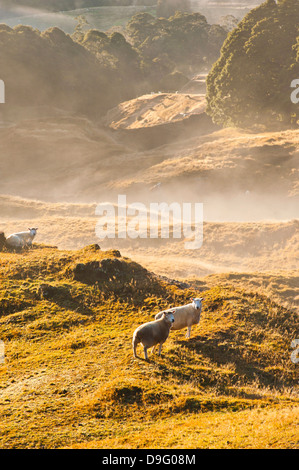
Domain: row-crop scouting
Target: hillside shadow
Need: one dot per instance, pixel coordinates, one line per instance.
(222, 350)
(62, 297)
(126, 280)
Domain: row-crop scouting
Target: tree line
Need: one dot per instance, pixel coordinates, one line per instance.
(251, 68)
(92, 71)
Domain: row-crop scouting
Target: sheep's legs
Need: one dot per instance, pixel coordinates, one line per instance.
(145, 353)
(154, 348)
(188, 332)
(134, 349)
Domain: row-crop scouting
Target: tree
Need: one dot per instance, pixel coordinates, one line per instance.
(187, 40)
(49, 69)
(228, 22)
(118, 58)
(250, 83)
(81, 26)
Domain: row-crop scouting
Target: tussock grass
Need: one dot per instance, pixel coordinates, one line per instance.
(70, 379)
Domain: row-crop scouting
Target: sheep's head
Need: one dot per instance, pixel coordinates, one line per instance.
(32, 231)
(197, 303)
(169, 316)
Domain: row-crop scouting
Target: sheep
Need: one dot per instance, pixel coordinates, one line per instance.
(21, 239)
(152, 333)
(185, 316)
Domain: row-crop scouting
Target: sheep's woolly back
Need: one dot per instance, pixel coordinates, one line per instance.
(184, 316)
(152, 333)
(20, 239)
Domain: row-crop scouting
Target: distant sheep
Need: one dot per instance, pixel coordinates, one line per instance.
(185, 316)
(21, 239)
(152, 333)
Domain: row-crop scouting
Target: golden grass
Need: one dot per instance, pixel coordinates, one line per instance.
(70, 379)
(227, 246)
(154, 109)
(251, 429)
(225, 160)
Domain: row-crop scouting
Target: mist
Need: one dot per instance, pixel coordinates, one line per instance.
(43, 18)
(77, 131)
(156, 166)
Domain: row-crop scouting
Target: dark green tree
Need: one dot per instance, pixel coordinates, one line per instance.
(250, 83)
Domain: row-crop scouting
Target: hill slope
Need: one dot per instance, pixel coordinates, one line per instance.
(227, 246)
(155, 109)
(69, 365)
(236, 174)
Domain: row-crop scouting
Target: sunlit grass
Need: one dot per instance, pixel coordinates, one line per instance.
(70, 379)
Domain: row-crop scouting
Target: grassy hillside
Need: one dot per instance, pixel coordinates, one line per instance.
(237, 175)
(70, 380)
(256, 247)
(69, 306)
(265, 163)
(155, 109)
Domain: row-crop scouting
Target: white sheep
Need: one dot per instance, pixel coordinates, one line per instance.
(185, 316)
(152, 333)
(21, 239)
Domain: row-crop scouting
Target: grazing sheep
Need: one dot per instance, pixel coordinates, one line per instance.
(185, 316)
(21, 239)
(152, 333)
